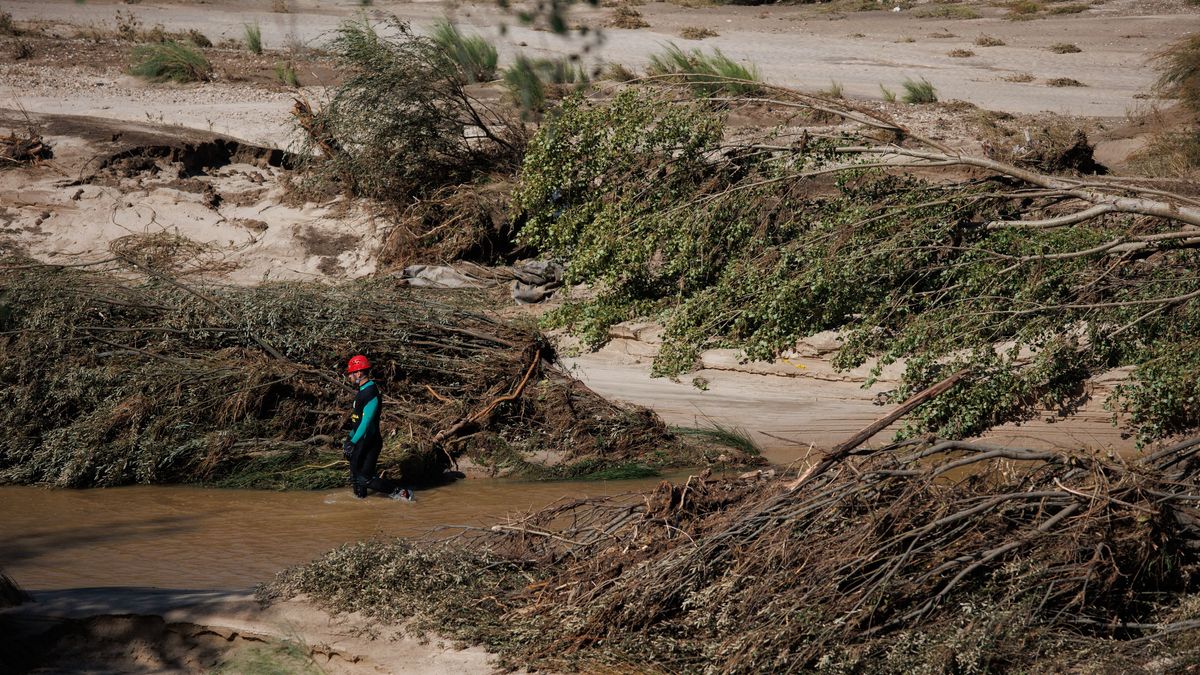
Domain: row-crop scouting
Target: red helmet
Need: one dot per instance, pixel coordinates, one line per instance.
(357, 362)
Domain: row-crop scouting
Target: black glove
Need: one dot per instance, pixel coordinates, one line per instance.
(347, 448)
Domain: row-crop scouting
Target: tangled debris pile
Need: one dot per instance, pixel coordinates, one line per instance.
(144, 378)
(937, 556)
(23, 148)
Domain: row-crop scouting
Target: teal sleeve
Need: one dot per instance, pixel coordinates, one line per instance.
(370, 411)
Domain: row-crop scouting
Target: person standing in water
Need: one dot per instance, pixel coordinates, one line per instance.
(364, 441)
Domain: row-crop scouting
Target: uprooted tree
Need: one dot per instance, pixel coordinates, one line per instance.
(134, 375)
(1032, 282)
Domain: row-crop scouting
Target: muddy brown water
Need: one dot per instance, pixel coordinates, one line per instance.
(187, 537)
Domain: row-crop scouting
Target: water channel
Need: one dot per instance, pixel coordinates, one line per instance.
(198, 538)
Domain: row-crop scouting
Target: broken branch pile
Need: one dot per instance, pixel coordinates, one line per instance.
(111, 379)
(929, 556)
(23, 148)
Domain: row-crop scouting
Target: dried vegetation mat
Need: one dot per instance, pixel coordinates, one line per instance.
(142, 377)
(924, 555)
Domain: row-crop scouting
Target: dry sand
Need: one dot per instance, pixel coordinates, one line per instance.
(149, 630)
(806, 46)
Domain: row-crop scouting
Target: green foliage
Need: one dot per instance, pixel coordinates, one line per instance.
(736, 252)
(888, 94)
(706, 74)
(835, 90)
(474, 54)
(919, 91)
(397, 126)
(1163, 397)
(170, 61)
(253, 39)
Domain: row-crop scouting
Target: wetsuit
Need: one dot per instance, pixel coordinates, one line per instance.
(365, 442)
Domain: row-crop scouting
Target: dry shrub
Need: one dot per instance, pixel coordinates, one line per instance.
(1076, 8)
(946, 11)
(1019, 77)
(25, 147)
(1179, 72)
(988, 41)
(1019, 10)
(1053, 147)
(697, 33)
(627, 17)
(1169, 154)
(960, 53)
(1064, 82)
(1064, 48)
(617, 72)
(168, 253)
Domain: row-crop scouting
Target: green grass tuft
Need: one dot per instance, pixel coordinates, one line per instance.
(254, 38)
(285, 72)
(919, 91)
(707, 74)
(170, 61)
(736, 438)
(474, 54)
(527, 79)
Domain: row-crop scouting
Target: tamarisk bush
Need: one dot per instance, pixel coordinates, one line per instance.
(398, 126)
(759, 243)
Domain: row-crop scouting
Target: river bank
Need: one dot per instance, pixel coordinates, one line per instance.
(133, 629)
